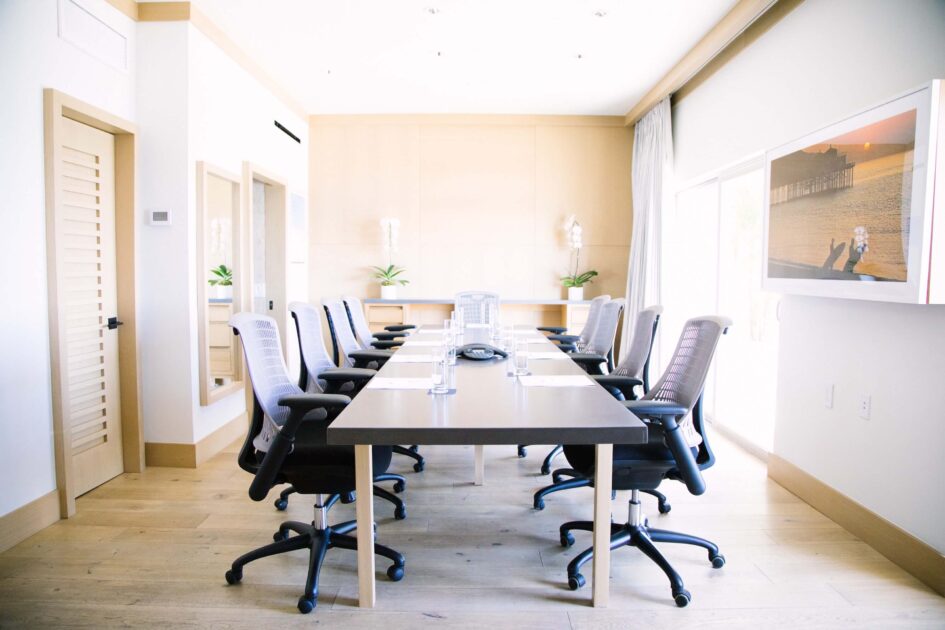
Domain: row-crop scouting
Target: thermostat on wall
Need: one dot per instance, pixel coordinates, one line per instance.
(159, 217)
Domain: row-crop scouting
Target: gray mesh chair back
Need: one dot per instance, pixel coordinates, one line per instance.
(593, 313)
(635, 363)
(475, 306)
(341, 332)
(605, 329)
(267, 371)
(684, 377)
(361, 329)
(309, 323)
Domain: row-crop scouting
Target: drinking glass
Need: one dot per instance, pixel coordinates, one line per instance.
(521, 357)
(440, 371)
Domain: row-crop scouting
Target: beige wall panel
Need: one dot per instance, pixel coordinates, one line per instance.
(480, 203)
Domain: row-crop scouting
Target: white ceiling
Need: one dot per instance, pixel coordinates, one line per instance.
(466, 56)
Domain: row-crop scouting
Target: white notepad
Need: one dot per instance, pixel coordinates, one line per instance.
(379, 382)
(569, 380)
(430, 331)
(554, 355)
(417, 342)
(403, 357)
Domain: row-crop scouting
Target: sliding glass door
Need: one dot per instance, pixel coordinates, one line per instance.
(712, 263)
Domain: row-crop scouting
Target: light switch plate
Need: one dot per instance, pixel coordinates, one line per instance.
(865, 404)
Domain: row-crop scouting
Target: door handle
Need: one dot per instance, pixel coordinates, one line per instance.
(113, 323)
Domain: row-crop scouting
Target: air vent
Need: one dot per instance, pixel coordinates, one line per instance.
(283, 129)
(159, 217)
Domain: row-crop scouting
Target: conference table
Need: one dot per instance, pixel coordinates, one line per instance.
(557, 404)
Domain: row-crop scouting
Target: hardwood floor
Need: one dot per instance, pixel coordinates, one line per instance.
(149, 550)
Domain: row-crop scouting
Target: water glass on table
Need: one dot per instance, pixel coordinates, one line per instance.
(441, 369)
(521, 357)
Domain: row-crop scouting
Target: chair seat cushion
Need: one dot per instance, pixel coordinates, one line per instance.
(636, 466)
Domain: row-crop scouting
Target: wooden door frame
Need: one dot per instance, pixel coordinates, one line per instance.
(56, 106)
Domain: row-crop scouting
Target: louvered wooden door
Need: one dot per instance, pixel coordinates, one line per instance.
(86, 249)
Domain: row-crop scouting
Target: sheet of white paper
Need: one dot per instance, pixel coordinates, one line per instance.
(379, 382)
(430, 331)
(535, 380)
(413, 343)
(554, 355)
(403, 357)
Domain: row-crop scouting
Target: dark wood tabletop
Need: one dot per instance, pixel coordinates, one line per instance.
(488, 407)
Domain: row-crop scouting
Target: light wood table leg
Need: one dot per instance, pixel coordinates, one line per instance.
(364, 488)
(603, 468)
(480, 465)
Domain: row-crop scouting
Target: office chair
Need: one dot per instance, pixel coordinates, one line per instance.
(477, 307)
(599, 348)
(362, 331)
(286, 443)
(677, 449)
(343, 340)
(583, 342)
(571, 342)
(319, 376)
(632, 373)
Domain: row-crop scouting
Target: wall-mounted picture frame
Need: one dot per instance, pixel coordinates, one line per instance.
(849, 208)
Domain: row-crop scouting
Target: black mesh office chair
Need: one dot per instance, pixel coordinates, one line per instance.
(677, 449)
(623, 383)
(286, 443)
(558, 332)
(344, 342)
(319, 376)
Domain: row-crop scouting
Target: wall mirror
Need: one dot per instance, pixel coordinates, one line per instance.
(219, 218)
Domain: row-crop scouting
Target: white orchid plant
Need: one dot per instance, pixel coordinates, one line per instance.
(388, 276)
(574, 235)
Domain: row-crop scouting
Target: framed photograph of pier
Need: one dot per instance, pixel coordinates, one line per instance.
(849, 207)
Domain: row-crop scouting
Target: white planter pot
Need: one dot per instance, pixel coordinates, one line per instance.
(575, 294)
(222, 292)
(389, 292)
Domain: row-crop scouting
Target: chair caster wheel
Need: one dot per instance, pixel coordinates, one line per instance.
(347, 498)
(280, 535)
(575, 581)
(539, 504)
(400, 512)
(545, 470)
(306, 605)
(522, 451)
(395, 573)
(717, 561)
(664, 508)
(418, 467)
(413, 448)
(233, 577)
(682, 598)
(281, 504)
(567, 539)
(399, 486)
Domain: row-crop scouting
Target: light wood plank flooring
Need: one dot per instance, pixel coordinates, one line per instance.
(149, 551)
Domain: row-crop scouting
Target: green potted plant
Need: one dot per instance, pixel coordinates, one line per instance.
(389, 280)
(222, 282)
(388, 277)
(574, 282)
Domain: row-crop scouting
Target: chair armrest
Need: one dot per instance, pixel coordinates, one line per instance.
(363, 358)
(299, 406)
(589, 362)
(668, 412)
(399, 327)
(553, 329)
(386, 345)
(389, 336)
(572, 339)
(567, 347)
(624, 384)
(347, 375)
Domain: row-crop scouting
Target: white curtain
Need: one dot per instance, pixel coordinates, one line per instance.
(651, 172)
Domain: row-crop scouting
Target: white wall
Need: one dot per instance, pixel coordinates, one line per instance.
(33, 57)
(823, 61)
(230, 119)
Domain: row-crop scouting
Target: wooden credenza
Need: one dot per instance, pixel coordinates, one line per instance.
(223, 357)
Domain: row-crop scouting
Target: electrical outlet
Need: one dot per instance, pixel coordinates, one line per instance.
(865, 404)
(828, 396)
